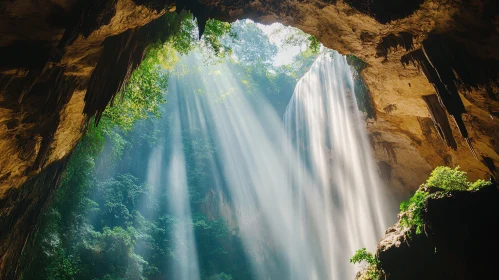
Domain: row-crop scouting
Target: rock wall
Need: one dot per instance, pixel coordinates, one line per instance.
(50, 48)
(458, 242)
(405, 139)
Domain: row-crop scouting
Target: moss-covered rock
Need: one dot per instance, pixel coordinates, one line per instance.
(457, 239)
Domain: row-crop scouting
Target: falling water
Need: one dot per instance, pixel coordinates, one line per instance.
(329, 137)
(303, 193)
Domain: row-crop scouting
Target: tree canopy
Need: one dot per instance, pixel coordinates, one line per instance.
(106, 221)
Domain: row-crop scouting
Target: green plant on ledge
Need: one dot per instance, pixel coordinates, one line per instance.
(411, 211)
(442, 177)
(372, 272)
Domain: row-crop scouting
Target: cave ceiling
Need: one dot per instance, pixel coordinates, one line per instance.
(431, 68)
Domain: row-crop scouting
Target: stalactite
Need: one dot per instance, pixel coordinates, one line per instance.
(447, 93)
(200, 12)
(121, 56)
(489, 162)
(392, 41)
(448, 65)
(440, 120)
(123, 53)
(88, 17)
(57, 90)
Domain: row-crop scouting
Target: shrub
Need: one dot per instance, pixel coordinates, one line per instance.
(372, 272)
(478, 184)
(442, 177)
(447, 178)
(412, 211)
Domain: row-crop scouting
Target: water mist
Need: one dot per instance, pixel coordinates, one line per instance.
(302, 191)
(329, 137)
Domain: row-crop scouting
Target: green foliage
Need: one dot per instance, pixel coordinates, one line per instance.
(253, 47)
(114, 226)
(62, 266)
(442, 177)
(478, 184)
(314, 44)
(141, 96)
(105, 221)
(212, 38)
(453, 179)
(363, 255)
(412, 211)
(447, 178)
(372, 271)
(145, 91)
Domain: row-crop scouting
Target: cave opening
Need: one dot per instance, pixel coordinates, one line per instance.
(149, 140)
(238, 156)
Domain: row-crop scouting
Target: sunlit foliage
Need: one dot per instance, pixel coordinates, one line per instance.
(296, 37)
(373, 272)
(95, 226)
(412, 211)
(445, 179)
(144, 93)
(253, 47)
(212, 42)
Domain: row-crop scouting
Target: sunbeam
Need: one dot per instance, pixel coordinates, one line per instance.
(303, 191)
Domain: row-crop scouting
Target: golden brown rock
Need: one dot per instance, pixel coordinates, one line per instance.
(405, 141)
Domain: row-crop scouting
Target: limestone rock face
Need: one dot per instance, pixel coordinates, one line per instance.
(42, 101)
(406, 143)
(449, 48)
(26, 114)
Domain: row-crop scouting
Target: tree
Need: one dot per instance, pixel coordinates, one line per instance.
(253, 47)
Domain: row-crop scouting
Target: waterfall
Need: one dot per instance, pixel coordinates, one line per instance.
(302, 194)
(328, 135)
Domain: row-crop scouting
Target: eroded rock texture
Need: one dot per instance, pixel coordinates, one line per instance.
(53, 55)
(406, 141)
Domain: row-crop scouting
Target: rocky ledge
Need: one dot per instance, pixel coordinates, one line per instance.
(458, 239)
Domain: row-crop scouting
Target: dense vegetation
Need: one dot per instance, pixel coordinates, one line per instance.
(106, 221)
(144, 93)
